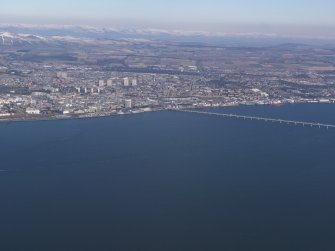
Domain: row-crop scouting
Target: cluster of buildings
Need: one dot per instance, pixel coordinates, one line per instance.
(126, 82)
(54, 88)
(83, 92)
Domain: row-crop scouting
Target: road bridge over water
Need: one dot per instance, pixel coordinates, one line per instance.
(280, 121)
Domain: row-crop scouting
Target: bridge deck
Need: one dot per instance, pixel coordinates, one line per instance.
(230, 115)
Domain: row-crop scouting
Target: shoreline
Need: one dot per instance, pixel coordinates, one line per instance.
(93, 116)
(77, 117)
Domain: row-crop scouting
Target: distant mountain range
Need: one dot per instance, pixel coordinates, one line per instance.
(32, 34)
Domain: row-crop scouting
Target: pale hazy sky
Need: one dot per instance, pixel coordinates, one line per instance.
(263, 15)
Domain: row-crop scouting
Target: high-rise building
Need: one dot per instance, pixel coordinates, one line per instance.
(101, 83)
(134, 82)
(128, 103)
(126, 81)
(62, 75)
(110, 82)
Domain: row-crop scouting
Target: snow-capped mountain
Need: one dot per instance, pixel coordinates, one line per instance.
(18, 35)
(7, 38)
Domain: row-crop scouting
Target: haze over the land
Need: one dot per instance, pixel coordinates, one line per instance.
(292, 18)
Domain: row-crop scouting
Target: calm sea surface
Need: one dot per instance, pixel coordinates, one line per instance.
(170, 181)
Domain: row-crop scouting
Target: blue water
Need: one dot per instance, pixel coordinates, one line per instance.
(169, 181)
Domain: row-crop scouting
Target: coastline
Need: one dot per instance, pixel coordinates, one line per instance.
(77, 117)
(92, 116)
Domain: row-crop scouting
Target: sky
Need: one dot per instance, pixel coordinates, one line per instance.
(264, 16)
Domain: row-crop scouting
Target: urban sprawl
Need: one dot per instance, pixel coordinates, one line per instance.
(64, 77)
